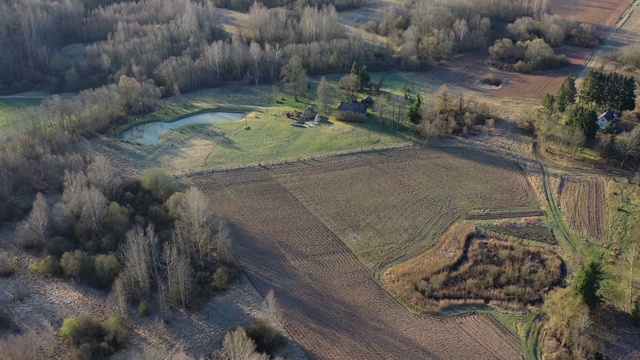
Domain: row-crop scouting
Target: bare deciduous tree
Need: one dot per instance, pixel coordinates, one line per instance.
(294, 76)
(324, 94)
(630, 258)
(272, 309)
(39, 218)
(179, 275)
(256, 55)
(117, 298)
(102, 174)
(94, 208)
(137, 256)
(75, 184)
(238, 346)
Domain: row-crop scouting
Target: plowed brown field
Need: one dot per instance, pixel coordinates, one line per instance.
(601, 13)
(389, 207)
(584, 204)
(467, 69)
(333, 306)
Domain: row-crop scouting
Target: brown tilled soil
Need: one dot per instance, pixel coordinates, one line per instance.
(333, 307)
(603, 14)
(465, 70)
(584, 204)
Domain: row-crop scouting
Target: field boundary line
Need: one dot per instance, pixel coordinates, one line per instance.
(269, 164)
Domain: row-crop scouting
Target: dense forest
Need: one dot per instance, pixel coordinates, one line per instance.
(184, 45)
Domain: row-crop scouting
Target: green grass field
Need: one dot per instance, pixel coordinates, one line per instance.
(271, 137)
(8, 107)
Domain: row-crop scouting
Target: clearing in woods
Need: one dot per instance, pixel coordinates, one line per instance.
(335, 308)
(584, 204)
(10, 106)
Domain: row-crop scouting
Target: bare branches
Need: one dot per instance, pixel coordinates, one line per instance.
(136, 254)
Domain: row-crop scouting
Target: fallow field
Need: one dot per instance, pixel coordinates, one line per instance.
(305, 230)
(584, 204)
(388, 207)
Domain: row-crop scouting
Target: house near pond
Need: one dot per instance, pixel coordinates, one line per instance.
(608, 117)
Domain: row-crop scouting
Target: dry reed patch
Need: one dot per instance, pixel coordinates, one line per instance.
(464, 268)
(585, 206)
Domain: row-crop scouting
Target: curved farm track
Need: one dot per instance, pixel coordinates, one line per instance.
(333, 308)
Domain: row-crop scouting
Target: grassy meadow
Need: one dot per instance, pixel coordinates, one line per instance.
(270, 136)
(10, 106)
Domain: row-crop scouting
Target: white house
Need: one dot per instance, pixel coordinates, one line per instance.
(605, 118)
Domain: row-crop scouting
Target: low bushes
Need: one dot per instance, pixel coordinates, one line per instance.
(7, 264)
(491, 79)
(267, 339)
(93, 339)
(524, 56)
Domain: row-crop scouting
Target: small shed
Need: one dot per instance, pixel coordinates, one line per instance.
(353, 107)
(309, 114)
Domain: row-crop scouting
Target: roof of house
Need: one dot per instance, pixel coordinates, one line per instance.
(609, 115)
(351, 106)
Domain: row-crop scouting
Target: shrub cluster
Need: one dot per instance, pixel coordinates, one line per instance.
(267, 339)
(524, 56)
(466, 269)
(93, 339)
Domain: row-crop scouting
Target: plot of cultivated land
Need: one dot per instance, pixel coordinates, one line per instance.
(601, 13)
(333, 307)
(584, 204)
(624, 35)
(465, 71)
(389, 207)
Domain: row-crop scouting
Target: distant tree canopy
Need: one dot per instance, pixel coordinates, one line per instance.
(609, 91)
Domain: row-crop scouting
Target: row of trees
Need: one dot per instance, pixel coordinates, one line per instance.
(176, 43)
(609, 91)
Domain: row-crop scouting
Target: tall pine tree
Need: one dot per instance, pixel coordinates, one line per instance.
(567, 94)
(584, 118)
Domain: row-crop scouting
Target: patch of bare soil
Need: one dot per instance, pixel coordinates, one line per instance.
(332, 305)
(584, 204)
(465, 70)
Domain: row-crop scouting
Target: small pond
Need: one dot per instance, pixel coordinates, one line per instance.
(149, 133)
